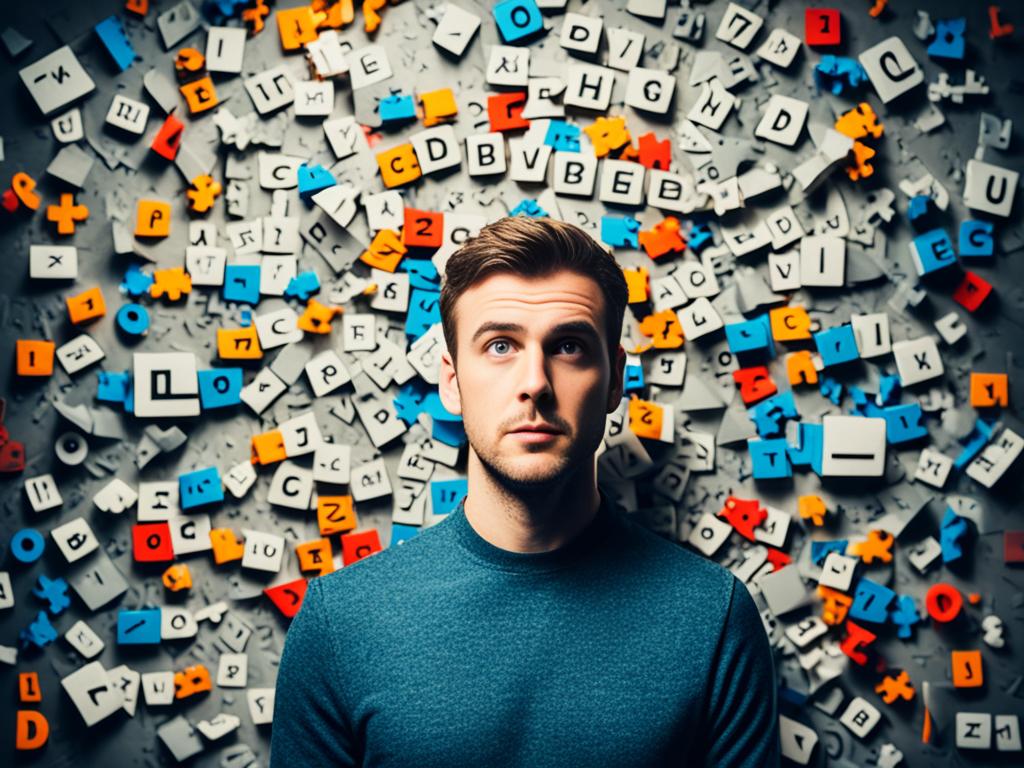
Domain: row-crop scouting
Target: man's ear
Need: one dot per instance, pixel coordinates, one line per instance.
(448, 386)
(618, 380)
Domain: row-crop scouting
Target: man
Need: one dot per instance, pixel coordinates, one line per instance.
(534, 625)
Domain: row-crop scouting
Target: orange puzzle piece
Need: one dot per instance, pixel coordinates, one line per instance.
(790, 323)
(298, 26)
(878, 546)
(800, 368)
(315, 556)
(645, 418)
(385, 251)
(254, 15)
(226, 548)
(317, 317)
(371, 19)
(268, 447)
(200, 95)
(893, 688)
(203, 192)
(399, 165)
(177, 577)
(192, 680)
(861, 169)
(24, 186)
(607, 133)
(335, 514)
(188, 62)
(662, 238)
(652, 153)
(989, 389)
(835, 605)
(664, 328)
(967, 671)
(34, 357)
(172, 283)
(152, 218)
(636, 281)
(88, 305)
(438, 106)
(66, 214)
(238, 343)
(812, 508)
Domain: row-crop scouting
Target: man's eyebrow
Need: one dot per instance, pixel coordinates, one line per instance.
(571, 326)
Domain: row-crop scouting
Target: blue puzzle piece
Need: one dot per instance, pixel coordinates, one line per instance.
(528, 207)
(903, 423)
(445, 495)
(200, 487)
(424, 311)
(303, 285)
(53, 591)
(889, 389)
(133, 320)
(220, 387)
(807, 452)
(952, 535)
(242, 283)
(831, 389)
(27, 545)
(312, 179)
(140, 627)
(871, 601)
(750, 336)
(39, 633)
(838, 74)
(422, 274)
(136, 282)
(862, 405)
(769, 458)
(980, 434)
(517, 19)
(921, 211)
(769, 416)
(904, 615)
(563, 136)
(397, 107)
(821, 549)
(112, 387)
(111, 34)
(401, 533)
(448, 432)
(620, 231)
(700, 237)
(633, 378)
(949, 39)
(932, 251)
(976, 239)
(837, 345)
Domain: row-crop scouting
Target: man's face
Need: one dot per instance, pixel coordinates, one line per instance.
(532, 351)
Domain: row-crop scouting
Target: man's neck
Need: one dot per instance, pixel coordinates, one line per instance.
(537, 523)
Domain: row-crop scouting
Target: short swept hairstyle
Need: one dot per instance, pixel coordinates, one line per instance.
(533, 247)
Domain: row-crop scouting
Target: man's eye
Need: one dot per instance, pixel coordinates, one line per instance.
(573, 343)
(497, 341)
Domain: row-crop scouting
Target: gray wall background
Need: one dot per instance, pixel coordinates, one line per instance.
(122, 173)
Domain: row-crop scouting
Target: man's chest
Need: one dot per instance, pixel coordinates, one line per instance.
(541, 683)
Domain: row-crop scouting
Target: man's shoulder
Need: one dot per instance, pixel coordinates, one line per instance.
(388, 566)
(698, 574)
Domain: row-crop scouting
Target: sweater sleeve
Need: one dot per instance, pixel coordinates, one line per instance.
(311, 726)
(742, 725)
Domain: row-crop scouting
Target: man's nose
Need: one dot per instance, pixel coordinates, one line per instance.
(534, 377)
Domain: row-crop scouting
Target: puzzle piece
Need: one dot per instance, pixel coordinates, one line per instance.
(619, 232)
(652, 153)
(177, 577)
(663, 238)
(860, 122)
(203, 192)
(39, 633)
(835, 606)
(878, 546)
(54, 592)
(993, 627)
(744, 515)
(608, 133)
(66, 214)
(812, 508)
(904, 616)
(893, 688)
(859, 167)
(171, 283)
(664, 328)
(254, 15)
(857, 640)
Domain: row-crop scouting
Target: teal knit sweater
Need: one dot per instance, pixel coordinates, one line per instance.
(618, 649)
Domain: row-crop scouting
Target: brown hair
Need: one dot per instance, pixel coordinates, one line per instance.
(533, 247)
